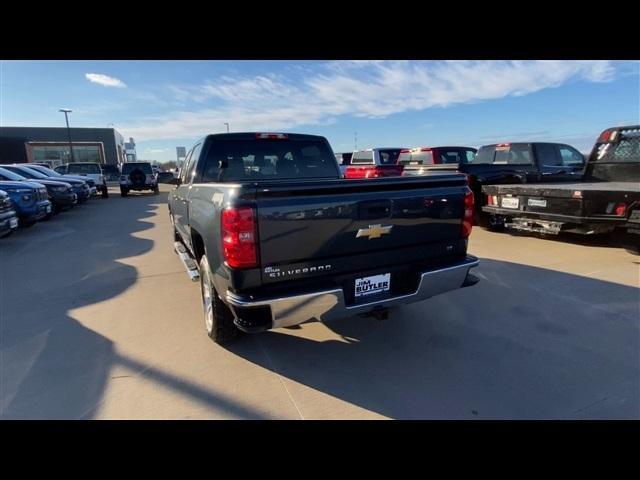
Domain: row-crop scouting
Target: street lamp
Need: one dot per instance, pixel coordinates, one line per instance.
(227, 127)
(66, 111)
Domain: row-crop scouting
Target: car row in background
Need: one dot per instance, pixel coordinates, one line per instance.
(90, 170)
(30, 193)
(541, 187)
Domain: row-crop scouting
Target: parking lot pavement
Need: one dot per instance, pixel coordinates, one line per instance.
(99, 320)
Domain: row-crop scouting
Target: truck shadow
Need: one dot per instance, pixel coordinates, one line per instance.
(524, 343)
(54, 367)
(616, 239)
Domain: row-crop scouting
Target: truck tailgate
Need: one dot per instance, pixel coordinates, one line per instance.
(340, 219)
(539, 198)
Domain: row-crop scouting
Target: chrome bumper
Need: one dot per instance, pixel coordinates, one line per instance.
(330, 304)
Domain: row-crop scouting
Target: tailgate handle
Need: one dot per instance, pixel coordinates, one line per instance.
(374, 209)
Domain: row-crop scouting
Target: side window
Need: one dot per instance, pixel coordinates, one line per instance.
(548, 155)
(195, 153)
(185, 167)
(470, 156)
(571, 157)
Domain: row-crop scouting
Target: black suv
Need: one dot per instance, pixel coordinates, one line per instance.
(137, 176)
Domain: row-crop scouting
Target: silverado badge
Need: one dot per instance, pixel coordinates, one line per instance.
(374, 231)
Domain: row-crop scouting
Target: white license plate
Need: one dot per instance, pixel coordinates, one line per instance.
(510, 202)
(13, 223)
(48, 209)
(532, 202)
(372, 285)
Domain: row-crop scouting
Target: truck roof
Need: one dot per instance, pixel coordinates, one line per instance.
(253, 135)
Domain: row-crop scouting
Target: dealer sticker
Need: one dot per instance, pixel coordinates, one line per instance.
(371, 285)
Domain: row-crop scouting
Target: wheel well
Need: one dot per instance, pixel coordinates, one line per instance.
(197, 244)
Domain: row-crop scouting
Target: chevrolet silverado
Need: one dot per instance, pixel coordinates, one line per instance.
(276, 237)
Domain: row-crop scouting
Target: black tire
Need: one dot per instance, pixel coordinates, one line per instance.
(123, 192)
(217, 316)
(27, 223)
(8, 233)
(156, 190)
(105, 191)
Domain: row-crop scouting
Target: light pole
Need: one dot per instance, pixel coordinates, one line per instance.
(66, 111)
(227, 127)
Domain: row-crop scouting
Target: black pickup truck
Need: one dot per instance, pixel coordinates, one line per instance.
(606, 197)
(277, 238)
(518, 163)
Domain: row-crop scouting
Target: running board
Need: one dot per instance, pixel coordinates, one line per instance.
(189, 263)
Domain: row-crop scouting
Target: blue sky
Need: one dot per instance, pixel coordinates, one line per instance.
(164, 104)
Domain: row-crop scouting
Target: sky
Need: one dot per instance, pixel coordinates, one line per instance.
(355, 104)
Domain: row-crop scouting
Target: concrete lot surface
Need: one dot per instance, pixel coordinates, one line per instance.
(99, 320)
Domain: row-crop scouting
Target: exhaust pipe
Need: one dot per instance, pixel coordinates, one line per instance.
(189, 263)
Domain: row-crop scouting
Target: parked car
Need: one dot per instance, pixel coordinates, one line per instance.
(76, 181)
(93, 180)
(277, 237)
(421, 160)
(79, 187)
(60, 193)
(137, 176)
(606, 197)
(30, 201)
(91, 170)
(165, 177)
(8, 216)
(516, 163)
(374, 163)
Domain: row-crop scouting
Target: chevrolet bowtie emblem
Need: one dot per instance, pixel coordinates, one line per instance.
(374, 231)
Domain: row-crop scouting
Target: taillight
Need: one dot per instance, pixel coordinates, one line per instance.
(239, 237)
(621, 209)
(467, 221)
(374, 171)
(272, 136)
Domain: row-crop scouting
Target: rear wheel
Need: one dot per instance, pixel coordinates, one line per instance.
(105, 191)
(218, 318)
(123, 192)
(156, 190)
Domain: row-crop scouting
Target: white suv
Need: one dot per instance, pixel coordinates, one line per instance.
(137, 176)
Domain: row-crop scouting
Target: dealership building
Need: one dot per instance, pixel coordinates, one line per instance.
(51, 144)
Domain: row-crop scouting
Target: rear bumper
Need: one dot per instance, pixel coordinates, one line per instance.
(330, 305)
(554, 217)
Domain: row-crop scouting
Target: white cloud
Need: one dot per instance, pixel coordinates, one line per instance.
(104, 80)
(156, 150)
(361, 89)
